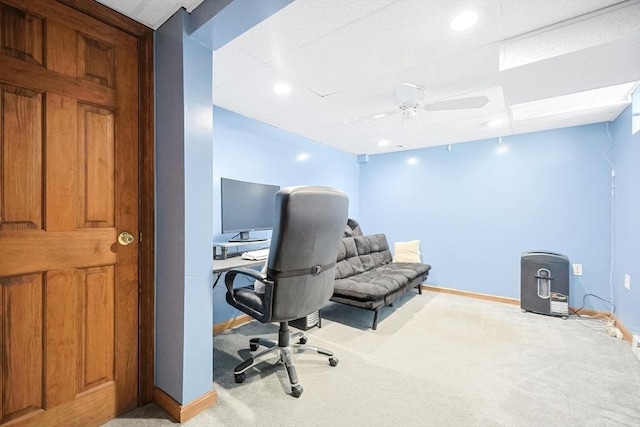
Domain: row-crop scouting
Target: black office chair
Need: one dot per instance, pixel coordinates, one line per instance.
(300, 272)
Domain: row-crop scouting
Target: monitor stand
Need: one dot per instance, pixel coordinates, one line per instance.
(245, 238)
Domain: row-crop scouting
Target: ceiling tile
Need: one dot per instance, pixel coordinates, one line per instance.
(341, 134)
(126, 7)
(467, 129)
(585, 32)
(311, 115)
(151, 14)
(369, 145)
(606, 65)
(302, 22)
(229, 63)
(567, 119)
(612, 96)
(252, 94)
(522, 16)
(402, 36)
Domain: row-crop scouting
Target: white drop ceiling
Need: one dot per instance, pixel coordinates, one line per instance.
(151, 13)
(542, 64)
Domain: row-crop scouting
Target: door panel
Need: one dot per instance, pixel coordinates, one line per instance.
(95, 167)
(97, 322)
(61, 376)
(22, 34)
(22, 338)
(68, 187)
(21, 180)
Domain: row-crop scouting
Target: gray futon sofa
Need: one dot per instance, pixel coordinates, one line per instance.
(366, 276)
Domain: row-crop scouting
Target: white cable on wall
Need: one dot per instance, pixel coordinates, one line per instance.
(613, 195)
(600, 322)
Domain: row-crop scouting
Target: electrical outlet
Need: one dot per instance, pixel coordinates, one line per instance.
(627, 281)
(577, 269)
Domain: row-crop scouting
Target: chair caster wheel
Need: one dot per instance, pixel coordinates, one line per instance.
(302, 340)
(333, 361)
(253, 347)
(240, 377)
(296, 390)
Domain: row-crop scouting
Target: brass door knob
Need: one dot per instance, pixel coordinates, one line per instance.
(125, 238)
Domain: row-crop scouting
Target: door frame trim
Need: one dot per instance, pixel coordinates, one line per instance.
(146, 187)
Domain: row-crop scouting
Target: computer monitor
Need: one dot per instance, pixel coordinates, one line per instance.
(245, 207)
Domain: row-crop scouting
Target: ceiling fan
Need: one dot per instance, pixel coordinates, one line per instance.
(410, 98)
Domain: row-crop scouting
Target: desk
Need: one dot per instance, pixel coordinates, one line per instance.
(223, 265)
(223, 247)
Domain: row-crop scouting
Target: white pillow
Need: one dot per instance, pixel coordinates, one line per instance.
(406, 251)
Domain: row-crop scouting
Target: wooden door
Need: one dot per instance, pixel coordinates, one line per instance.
(68, 188)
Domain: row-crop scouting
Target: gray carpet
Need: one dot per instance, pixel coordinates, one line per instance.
(435, 360)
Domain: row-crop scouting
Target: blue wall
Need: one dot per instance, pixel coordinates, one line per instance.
(626, 159)
(477, 207)
(183, 211)
(474, 208)
(184, 190)
(169, 209)
(248, 150)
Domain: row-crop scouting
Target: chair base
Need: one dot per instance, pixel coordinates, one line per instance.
(284, 351)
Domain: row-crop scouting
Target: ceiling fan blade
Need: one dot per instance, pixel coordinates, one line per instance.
(458, 104)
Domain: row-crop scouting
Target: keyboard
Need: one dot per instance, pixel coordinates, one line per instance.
(260, 254)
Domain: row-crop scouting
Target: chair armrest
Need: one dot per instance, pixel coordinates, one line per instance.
(266, 297)
(230, 277)
(245, 272)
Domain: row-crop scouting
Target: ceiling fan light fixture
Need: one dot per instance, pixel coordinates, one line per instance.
(409, 112)
(410, 123)
(464, 20)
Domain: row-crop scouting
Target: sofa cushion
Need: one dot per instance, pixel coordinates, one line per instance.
(411, 269)
(373, 250)
(348, 263)
(371, 285)
(352, 228)
(379, 282)
(361, 253)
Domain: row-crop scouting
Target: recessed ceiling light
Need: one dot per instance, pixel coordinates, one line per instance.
(494, 122)
(412, 160)
(464, 21)
(383, 142)
(282, 88)
(301, 157)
